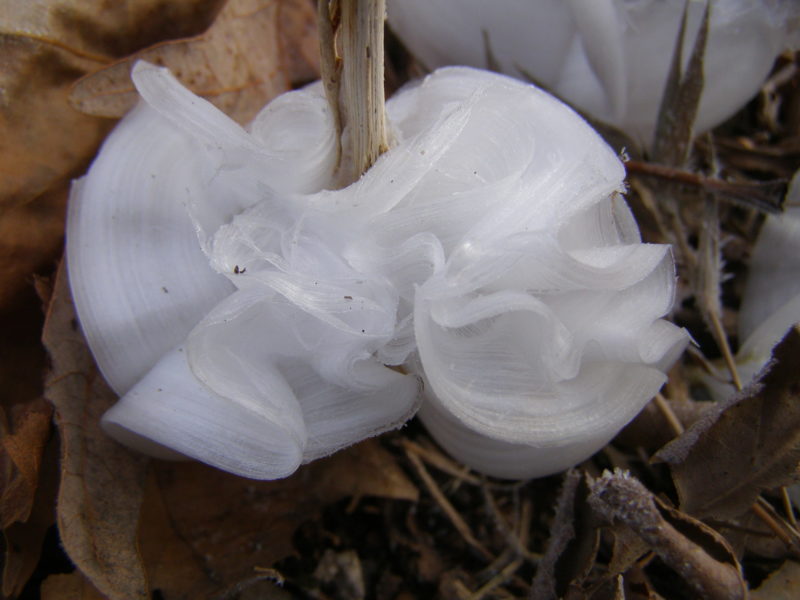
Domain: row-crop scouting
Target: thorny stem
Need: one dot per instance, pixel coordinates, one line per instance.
(351, 49)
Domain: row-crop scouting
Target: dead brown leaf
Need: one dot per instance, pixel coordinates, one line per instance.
(254, 51)
(30, 240)
(101, 482)
(21, 451)
(26, 491)
(24, 539)
(45, 46)
(722, 463)
(205, 531)
(750, 534)
(70, 586)
(783, 584)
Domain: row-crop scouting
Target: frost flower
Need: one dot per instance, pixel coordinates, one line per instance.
(609, 58)
(254, 320)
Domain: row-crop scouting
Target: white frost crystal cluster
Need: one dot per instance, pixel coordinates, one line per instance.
(609, 58)
(252, 319)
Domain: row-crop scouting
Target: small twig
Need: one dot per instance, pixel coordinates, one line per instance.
(455, 518)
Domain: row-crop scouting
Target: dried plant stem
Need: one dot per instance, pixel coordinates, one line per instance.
(351, 48)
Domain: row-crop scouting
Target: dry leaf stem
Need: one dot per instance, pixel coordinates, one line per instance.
(351, 48)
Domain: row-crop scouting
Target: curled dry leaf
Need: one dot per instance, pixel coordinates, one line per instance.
(45, 46)
(254, 51)
(725, 460)
(21, 448)
(31, 235)
(204, 530)
(26, 486)
(69, 586)
(101, 482)
(696, 552)
(23, 540)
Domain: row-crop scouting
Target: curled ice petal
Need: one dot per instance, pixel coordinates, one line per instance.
(173, 409)
(123, 213)
(489, 253)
